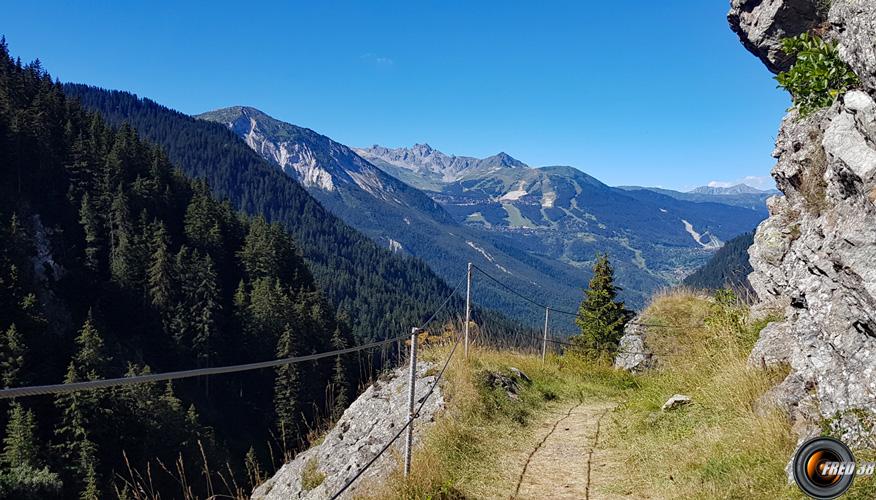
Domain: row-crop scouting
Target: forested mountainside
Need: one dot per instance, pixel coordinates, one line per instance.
(561, 212)
(114, 264)
(406, 220)
(382, 294)
(729, 267)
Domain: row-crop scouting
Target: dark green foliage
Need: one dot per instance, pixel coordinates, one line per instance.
(286, 389)
(147, 271)
(601, 317)
(386, 294)
(12, 351)
(728, 268)
(19, 443)
(818, 76)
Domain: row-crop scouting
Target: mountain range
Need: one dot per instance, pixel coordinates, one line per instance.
(539, 228)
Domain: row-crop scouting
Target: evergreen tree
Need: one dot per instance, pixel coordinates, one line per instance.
(12, 352)
(121, 240)
(601, 317)
(20, 444)
(340, 383)
(83, 411)
(21, 478)
(286, 389)
(91, 226)
(160, 272)
(205, 309)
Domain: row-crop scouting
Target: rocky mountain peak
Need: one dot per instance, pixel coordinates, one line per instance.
(814, 258)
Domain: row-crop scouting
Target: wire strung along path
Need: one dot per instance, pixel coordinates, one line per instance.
(565, 450)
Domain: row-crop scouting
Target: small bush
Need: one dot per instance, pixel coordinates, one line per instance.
(818, 76)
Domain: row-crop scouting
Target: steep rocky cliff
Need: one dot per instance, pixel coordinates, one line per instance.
(814, 259)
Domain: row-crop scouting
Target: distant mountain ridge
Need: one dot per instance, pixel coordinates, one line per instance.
(396, 215)
(562, 212)
(426, 168)
(750, 198)
(729, 190)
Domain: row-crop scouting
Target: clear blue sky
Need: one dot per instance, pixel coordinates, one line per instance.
(632, 92)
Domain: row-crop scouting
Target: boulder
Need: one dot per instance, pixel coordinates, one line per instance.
(633, 355)
(676, 401)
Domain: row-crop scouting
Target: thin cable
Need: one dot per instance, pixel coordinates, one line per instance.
(422, 400)
(443, 304)
(200, 372)
(515, 292)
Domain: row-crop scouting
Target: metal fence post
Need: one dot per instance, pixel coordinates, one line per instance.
(412, 381)
(547, 311)
(467, 308)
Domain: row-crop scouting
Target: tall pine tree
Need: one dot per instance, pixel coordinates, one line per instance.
(601, 317)
(286, 389)
(83, 411)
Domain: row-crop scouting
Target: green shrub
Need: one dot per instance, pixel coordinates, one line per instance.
(818, 76)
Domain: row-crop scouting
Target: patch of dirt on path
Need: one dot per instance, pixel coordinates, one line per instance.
(563, 458)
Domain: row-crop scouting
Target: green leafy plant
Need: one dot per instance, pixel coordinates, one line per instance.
(818, 76)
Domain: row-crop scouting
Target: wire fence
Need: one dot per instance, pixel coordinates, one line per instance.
(486, 334)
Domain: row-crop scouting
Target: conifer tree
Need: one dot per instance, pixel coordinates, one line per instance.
(160, 272)
(20, 444)
(81, 411)
(601, 317)
(12, 352)
(121, 240)
(286, 389)
(91, 226)
(340, 384)
(205, 309)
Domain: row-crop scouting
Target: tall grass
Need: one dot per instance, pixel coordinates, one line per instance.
(721, 446)
(463, 452)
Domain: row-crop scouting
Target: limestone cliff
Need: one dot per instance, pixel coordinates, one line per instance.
(814, 258)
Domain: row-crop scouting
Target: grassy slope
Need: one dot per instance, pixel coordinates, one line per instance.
(718, 447)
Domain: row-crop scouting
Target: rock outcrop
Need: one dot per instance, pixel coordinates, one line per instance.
(364, 428)
(761, 25)
(633, 355)
(814, 258)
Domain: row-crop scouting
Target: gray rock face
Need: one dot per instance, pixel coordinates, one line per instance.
(854, 23)
(365, 427)
(761, 25)
(815, 256)
(633, 355)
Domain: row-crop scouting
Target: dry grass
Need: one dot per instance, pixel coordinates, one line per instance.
(719, 447)
(463, 453)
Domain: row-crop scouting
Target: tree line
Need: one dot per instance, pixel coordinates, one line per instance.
(113, 263)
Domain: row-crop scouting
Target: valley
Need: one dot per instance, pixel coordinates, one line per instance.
(539, 228)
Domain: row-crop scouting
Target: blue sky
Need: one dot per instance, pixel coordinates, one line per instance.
(632, 92)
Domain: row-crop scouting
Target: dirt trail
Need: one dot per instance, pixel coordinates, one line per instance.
(566, 460)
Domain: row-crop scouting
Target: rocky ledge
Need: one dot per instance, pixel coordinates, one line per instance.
(814, 258)
(365, 427)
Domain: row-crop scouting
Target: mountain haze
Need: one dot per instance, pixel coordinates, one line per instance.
(562, 212)
(399, 217)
